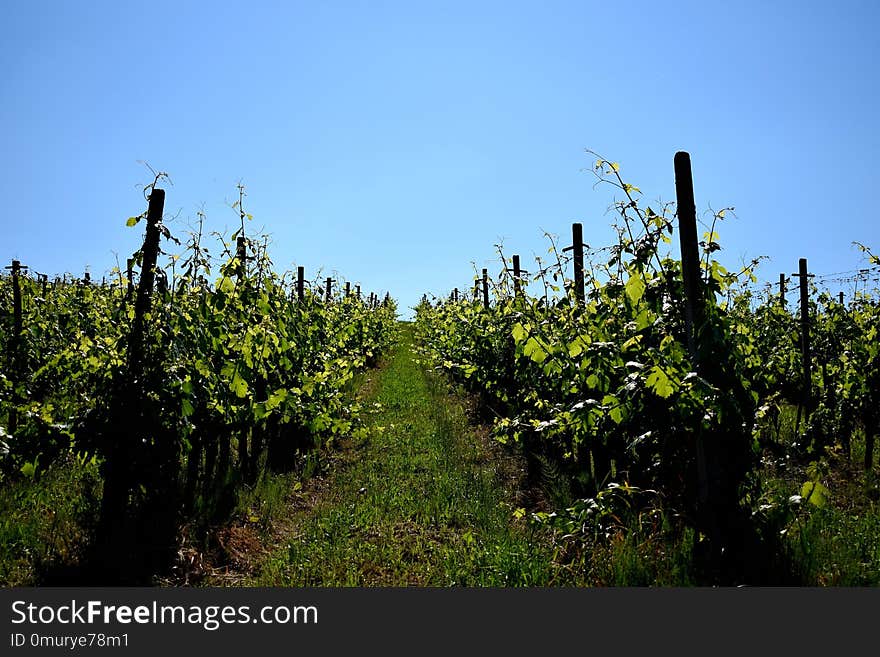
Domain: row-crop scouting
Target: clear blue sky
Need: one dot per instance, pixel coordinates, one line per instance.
(396, 142)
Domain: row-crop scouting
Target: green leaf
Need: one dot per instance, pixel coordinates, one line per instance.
(276, 399)
(29, 470)
(227, 286)
(635, 289)
(519, 332)
(614, 408)
(634, 341)
(580, 344)
(534, 350)
(239, 386)
(659, 382)
(815, 493)
(132, 221)
(186, 408)
(616, 414)
(645, 319)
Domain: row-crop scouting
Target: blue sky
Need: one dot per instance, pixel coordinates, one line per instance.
(397, 142)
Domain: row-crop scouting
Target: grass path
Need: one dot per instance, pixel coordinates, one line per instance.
(420, 502)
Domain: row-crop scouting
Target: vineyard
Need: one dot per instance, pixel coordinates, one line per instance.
(173, 391)
(661, 395)
(675, 421)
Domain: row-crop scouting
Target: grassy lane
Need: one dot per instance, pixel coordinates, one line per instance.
(420, 502)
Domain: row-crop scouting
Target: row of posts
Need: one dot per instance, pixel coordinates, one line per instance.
(16, 268)
(373, 300)
(577, 231)
(694, 306)
(690, 272)
(806, 355)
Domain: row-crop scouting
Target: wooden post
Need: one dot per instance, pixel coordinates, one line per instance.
(805, 331)
(44, 279)
(516, 275)
(148, 276)
(14, 355)
(486, 288)
(841, 298)
(690, 269)
(327, 289)
(87, 278)
(577, 244)
(300, 283)
(357, 291)
(455, 295)
(690, 257)
(782, 290)
(347, 289)
(16, 270)
(123, 457)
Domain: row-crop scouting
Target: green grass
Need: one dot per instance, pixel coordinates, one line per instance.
(422, 501)
(427, 499)
(45, 521)
(839, 543)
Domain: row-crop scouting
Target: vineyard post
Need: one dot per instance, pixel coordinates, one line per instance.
(690, 270)
(690, 256)
(841, 298)
(87, 278)
(44, 279)
(577, 245)
(148, 271)
(119, 466)
(782, 290)
(327, 288)
(357, 291)
(455, 295)
(300, 283)
(347, 289)
(486, 288)
(516, 275)
(14, 342)
(805, 330)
